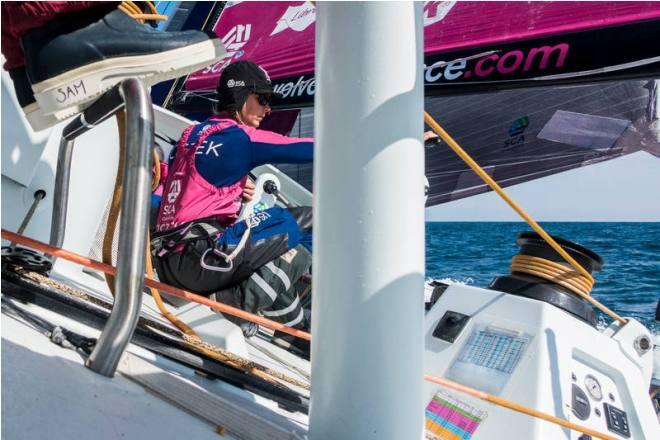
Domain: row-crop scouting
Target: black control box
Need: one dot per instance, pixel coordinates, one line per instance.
(617, 420)
(450, 326)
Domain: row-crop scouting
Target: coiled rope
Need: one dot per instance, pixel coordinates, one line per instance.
(552, 271)
(580, 284)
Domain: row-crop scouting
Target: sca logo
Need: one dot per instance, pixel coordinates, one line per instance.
(175, 190)
(234, 40)
(436, 11)
(297, 18)
(516, 131)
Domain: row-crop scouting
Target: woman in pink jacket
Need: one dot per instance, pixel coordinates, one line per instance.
(198, 241)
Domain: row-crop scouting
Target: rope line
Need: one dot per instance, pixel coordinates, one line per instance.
(134, 11)
(149, 282)
(190, 337)
(552, 271)
(496, 187)
(515, 406)
(71, 256)
(115, 203)
(209, 350)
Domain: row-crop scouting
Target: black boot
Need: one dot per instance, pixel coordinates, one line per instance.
(33, 113)
(73, 59)
(298, 346)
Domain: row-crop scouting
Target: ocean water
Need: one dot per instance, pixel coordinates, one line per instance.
(629, 283)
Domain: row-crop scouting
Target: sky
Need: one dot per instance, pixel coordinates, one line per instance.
(623, 189)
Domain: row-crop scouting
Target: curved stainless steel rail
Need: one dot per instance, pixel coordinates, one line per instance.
(100, 110)
(129, 280)
(61, 193)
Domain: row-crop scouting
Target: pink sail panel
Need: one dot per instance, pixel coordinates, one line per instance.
(455, 25)
(280, 35)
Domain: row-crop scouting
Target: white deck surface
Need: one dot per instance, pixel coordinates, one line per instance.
(48, 393)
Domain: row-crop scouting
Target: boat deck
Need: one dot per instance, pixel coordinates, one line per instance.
(46, 379)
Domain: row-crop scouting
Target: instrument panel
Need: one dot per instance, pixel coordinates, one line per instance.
(595, 402)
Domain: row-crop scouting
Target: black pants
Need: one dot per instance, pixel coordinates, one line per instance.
(264, 271)
(272, 289)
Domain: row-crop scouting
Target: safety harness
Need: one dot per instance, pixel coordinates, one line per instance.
(176, 239)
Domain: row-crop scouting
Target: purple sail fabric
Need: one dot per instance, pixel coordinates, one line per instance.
(280, 37)
(454, 25)
(529, 89)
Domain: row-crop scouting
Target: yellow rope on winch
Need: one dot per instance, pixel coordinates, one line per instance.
(552, 271)
(544, 268)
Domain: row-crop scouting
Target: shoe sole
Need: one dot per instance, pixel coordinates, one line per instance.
(67, 94)
(37, 119)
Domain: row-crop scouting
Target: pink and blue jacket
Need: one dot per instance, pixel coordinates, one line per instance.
(209, 168)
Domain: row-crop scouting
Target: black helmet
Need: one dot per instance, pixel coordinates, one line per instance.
(237, 81)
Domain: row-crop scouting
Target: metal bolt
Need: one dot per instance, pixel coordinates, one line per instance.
(642, 344)
(39, 195)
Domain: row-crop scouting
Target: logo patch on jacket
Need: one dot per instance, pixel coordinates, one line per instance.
(290, 255)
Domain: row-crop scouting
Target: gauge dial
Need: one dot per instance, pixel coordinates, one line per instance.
(593, 387)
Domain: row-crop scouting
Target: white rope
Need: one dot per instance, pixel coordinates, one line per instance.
(229, 259)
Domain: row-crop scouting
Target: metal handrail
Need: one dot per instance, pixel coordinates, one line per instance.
(129, 280)
(61, 193)
(102, 109)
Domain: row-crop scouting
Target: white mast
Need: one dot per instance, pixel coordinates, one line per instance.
(367, 359)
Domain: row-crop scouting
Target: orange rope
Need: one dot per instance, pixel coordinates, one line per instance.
(515, 406)
(108, 269)
(115, 203)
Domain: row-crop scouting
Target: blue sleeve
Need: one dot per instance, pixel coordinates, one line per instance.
(298, 152)
(228, 156)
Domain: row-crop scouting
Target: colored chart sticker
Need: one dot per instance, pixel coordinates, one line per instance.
(448, 418)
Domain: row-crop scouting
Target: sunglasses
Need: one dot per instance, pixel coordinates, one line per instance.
(264, 99)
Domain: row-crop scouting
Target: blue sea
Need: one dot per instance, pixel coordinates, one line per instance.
(629, 283)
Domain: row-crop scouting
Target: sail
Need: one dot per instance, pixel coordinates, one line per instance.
(468, 46)
(529, 89)
(523, 134)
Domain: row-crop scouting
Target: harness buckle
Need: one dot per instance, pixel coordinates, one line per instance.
(172, 241)
(217, 268)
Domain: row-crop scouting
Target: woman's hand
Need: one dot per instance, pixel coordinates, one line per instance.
(248, 191)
